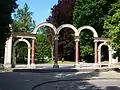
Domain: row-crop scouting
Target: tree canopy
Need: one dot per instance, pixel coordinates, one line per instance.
(62, 13)
(112, 24)
(23, 20)
(93, 13)
(43, 49)
(7, 7)
(80, 13)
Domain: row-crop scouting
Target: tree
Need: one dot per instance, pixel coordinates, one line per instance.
(112, 24)
(22, 22)
(6, 9)
(93, 13)
(42, 49)
(21, 53)
(62, 13)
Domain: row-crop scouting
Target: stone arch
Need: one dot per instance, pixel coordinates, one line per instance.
(44, 24)
(99, 52)
(94, 34)
(68, 26)
(29, 46)
(90, 28)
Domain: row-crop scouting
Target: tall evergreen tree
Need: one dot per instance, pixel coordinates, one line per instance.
(23, 20)
(22, 23)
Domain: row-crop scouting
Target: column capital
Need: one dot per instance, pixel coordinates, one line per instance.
(56, 37)
(29, 47)
(95, 41)
(77, 38)
(34, 38)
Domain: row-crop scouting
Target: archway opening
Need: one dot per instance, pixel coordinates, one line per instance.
(20, 57)
(89, 36)
(66, 46)
(44, 48)
(86, 46)
(104, 55)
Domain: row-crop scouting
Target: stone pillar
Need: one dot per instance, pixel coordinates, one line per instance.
(95, 53)
(33, 51)
(29, 48)
(110, 56)
(99, 56)
(8, 49)
(77, 51)
(14, 57)
(5, 54)
(56, 53)
(33, 54)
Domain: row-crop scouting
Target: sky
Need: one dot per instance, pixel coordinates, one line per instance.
(41, 8)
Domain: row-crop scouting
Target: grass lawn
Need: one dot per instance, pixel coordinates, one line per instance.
(60, 62)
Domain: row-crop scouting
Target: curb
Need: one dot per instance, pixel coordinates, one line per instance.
(64, 70)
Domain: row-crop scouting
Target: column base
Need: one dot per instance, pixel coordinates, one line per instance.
(6, 66)
(96, 65)
(110, 65)
(28, 66)
(55, 66)
(77, 65)
(33, 65)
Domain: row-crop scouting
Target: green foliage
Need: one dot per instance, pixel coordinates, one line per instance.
(22, 23)
(21, 53)
(93, 13)
(86, 43)
(112, 24)
(7, 7)
(23, 20)
(88, 12)
(43, 49)
(62, 13)
(88, 49)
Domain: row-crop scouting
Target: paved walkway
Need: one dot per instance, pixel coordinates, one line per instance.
(59, 81)
(64, 78)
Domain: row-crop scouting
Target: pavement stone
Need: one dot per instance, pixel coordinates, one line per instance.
(54, 81)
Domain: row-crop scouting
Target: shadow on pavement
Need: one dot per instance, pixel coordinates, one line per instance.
(52, 81)
(117, 70)
(112, 88)
(76, 81)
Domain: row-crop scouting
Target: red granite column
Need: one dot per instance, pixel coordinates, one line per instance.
(33, 51)
(77, 50)
(56, 53)
(96, 53)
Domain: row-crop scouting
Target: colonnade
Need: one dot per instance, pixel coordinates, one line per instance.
(77, 32)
